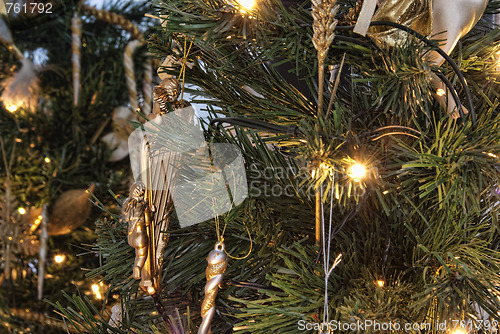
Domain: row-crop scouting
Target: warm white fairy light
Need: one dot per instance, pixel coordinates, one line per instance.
(97, 293)
(59, 258)
(22, 211)
(35, 224)
(151, 290)
(492, 155)
(357, 172)
(381, 283)
(459, 331)
(246, 5)
(440, 92)
(47, 160)
(11, 107)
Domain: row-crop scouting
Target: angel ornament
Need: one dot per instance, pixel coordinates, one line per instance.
(155, 156)
(134, 212)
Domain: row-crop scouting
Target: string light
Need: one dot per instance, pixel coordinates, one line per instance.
(97, 293)
(357, 172)
(246, 5)
(151, 290)
(459, 331)
(22, 211)
(440, 92)
(60, 259)
(492, 155)
(381, 283)
(11, 107)
(36, 223)
(47, 160)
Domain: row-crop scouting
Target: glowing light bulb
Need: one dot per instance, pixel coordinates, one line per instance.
(459, 331)
(381, 283)
(357, 172)
(11, 107)
(151, 290)
(492, 155)
(47, 160)
(440, 92)
(246, 5)
(21, 210)
(60, 259)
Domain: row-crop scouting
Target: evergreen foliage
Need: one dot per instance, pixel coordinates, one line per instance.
(425, 220)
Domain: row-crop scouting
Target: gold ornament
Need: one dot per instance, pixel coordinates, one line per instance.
(217, 264)
(324, 24)
(414, 14)
(166, 92)
(133, 212)
(441, 19)
(150, 203)
(70, 210)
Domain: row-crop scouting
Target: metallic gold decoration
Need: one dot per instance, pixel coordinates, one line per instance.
(324, 22)
(166, 92)
(415, 14)
(149, 215)
(133, 212)
(444, 20)
(70, 210)
(217, 264)
(317, 218)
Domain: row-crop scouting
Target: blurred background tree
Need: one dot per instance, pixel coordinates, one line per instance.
(358, 141)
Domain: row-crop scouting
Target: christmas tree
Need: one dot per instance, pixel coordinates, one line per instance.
(344, 180)
(56, 142)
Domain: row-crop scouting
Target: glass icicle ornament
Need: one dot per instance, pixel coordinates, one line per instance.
(76, 41)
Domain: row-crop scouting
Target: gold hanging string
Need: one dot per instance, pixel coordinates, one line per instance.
(220, 238)
(182, 73)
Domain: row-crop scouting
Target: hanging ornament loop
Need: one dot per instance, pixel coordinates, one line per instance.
(220, 243)
(219, 246)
